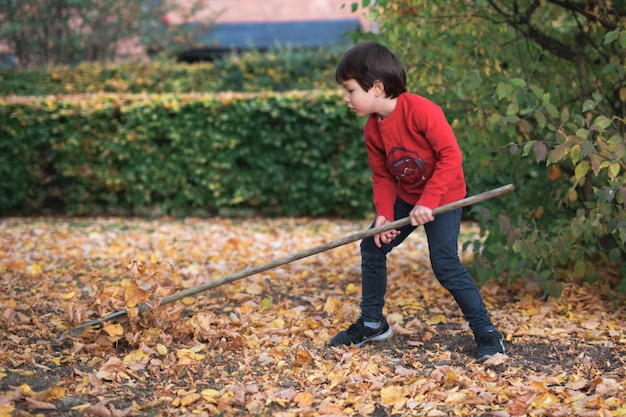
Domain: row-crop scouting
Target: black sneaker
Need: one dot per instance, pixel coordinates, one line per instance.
(489, 344)
(358, 333)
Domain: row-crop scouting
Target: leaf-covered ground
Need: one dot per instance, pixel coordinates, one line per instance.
(259, 346)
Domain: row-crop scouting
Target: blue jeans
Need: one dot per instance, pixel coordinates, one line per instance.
(443, 235)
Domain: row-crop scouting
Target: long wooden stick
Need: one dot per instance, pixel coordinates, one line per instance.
(300, 255)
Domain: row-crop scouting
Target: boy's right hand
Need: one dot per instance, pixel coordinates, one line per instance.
(385, 237)
(421, 215)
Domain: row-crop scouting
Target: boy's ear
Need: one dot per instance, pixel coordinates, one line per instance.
(379, 87)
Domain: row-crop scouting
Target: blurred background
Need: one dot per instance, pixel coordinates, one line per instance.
(44, 32)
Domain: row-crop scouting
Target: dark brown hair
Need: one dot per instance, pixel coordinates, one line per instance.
(369, 61)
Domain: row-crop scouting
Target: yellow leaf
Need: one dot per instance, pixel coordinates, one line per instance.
(188, 301)
(455, 397)
(210, 395)
(331, 305)
(395, 318)
(351, 288)
(113, 329)
(161, 349)
(24, 391)
(81, 407)
(132, 312)
(303, 357)
(538, 386)
(303, 399)
(439, 318)
(364, 409)
(393, 396)
(279, 323)
(136, 356)
(581, 169)
(190, 399)
(69, 295)
(6, 410)
(153, 258)
(35, 269)
(188, 357)
(545, 400)
(266, 303)
(335, 379)
(134, 295)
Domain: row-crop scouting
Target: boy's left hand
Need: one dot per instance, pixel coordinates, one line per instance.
(387, 236)
(421, 215)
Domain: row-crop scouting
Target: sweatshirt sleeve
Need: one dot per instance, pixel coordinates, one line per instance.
(448, 165)
(384, 184)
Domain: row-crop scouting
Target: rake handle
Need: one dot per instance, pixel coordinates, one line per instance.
(304, 254)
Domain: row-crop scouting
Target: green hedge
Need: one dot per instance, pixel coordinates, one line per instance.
(296, 153)
(277, 70)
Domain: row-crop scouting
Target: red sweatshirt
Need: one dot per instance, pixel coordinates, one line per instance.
(414, 155)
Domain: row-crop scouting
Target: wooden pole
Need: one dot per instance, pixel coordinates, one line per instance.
(299, 255)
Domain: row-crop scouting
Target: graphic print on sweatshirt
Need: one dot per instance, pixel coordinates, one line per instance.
(407, 166)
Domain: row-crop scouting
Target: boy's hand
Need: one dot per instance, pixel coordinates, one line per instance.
(421, 215)
(387, 236)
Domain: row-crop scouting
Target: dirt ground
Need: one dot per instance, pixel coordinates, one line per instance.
(260, 346)
(443, 345)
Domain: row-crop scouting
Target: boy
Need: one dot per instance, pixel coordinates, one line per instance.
(416, 166)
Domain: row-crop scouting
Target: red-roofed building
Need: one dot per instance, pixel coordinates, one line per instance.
(279, 10)
(244, 24)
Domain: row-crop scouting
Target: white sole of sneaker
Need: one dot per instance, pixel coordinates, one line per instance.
(376, 338)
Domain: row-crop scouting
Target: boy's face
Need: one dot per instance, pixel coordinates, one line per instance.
(358, 100)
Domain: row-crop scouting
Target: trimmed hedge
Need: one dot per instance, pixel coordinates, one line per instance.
(292, 154)
(251, 71)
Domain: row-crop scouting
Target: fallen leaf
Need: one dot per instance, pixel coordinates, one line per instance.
(190, 399)
(303, 399)
(393, 396)
(134, 295)
(496, 359)
(437, 319)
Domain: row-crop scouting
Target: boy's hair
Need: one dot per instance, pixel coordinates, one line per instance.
(370, 61)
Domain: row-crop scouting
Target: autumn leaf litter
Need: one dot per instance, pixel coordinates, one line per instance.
(259, 346)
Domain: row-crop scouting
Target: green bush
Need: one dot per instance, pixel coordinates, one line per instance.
(281, 69)
(577, 227)
(290, 154)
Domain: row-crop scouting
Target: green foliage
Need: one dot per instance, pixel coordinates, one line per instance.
(582, 222)
(536, 93)
(281, 69)
(291, 154)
